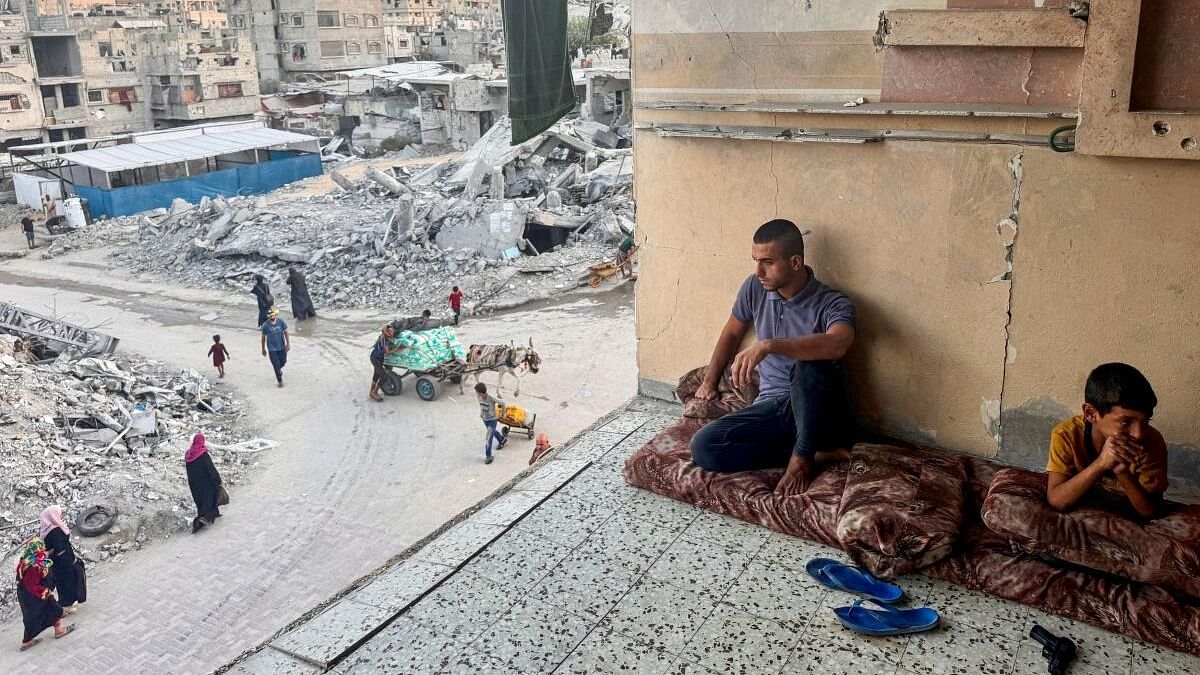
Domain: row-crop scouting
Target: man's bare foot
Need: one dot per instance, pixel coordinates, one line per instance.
(796, 479)
(831, 456)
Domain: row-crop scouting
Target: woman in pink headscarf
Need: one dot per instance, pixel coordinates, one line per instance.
(70, 580)
(204, 482)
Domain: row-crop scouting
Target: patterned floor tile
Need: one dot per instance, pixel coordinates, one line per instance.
(587, 585)
(1153, 660)
(659, 510)
(403, 648)
(700, 566)
(508, 508)
(533, 637)
(333, 632)
(731, 641)
(959, 649)
(609, 652)
(565, 520)
(660, 615)
(399, 586)
(518, 560)
(827, 654)
(1095, 646)
(464, 606)
(728, 531)
(456, 545)
(635, 542)
(774, 592)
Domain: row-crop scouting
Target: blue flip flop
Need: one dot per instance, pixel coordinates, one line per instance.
(852, 579)
(887, 620)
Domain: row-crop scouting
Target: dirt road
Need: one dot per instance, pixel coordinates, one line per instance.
(352, 482)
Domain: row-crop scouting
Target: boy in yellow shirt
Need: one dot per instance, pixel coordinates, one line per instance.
(1118, 405)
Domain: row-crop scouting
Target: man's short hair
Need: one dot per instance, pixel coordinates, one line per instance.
(1119, 384)
(480, 388)
(426, 314)
(785, 233)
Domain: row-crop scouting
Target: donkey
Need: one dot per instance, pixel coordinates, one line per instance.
(503, 359)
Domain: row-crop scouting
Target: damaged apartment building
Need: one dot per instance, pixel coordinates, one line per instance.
(297, 40)
(88, 71)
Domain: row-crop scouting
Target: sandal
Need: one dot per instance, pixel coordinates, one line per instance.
(70, 629)
(886, 620)
(843, 577)
(27, 645)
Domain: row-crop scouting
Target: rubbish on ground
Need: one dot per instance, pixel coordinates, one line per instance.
(46, 337)
(96, 520)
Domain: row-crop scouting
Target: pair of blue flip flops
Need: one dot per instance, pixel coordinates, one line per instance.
(886, 620)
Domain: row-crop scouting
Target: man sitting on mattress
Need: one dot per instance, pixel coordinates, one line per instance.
(802, 328)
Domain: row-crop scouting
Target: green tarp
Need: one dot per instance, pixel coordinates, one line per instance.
(426, 350)
(540, 85)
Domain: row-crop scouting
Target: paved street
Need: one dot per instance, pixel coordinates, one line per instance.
(351, 484)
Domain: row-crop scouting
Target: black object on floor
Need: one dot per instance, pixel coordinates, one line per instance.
(1059, 651)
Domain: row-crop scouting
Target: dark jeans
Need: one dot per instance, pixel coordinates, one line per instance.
(492, 434)
(29, 238)
(378, 372)
(815, 416)
(278, 361)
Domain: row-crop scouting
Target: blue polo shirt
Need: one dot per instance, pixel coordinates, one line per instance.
(813, 310)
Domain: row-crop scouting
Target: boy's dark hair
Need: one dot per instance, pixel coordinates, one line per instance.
(216, 338)
(455, 289)
(426, 314)
(480, 388)
(1119, 384)
(785, 233)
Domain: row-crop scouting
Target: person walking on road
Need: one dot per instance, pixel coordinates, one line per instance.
(70, 579)
(262, 294)
(39, 608)
(487, 411)
(302, 305)
(219, 354)
(456, 298)
(27, 225)
(383, 347)
(276, 343)
(204, 483)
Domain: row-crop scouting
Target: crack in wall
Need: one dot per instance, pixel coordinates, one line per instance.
(1028, 76)
(771, 166)
(732, 49)
(670, 317)
(1008, 230)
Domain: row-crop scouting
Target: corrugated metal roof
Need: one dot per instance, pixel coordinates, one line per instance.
(205, 143)
(409, 71)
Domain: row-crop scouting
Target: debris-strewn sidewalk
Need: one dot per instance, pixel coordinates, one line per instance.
(81, 432)
(503, 223)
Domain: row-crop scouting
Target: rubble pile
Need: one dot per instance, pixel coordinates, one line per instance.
(553, 205)
(81, 432)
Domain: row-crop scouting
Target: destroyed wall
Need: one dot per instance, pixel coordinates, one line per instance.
(116, 89)
(21, 111)
(990, 273)
(261, 22)
(459, 111)
(200, 75)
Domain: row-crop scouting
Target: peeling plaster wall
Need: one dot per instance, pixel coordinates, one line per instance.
(989, 277)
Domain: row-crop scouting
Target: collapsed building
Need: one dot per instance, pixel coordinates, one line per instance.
(506, 224)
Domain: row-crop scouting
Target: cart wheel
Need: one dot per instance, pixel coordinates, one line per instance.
(530, 432)
(504, 431)
(595, 281)
(392, 385)
(456, 379)
(427, 388)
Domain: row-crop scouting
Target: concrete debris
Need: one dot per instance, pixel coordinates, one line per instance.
(83, 431)
(397, 239)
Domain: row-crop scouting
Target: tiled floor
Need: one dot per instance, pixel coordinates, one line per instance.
(604, 578)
